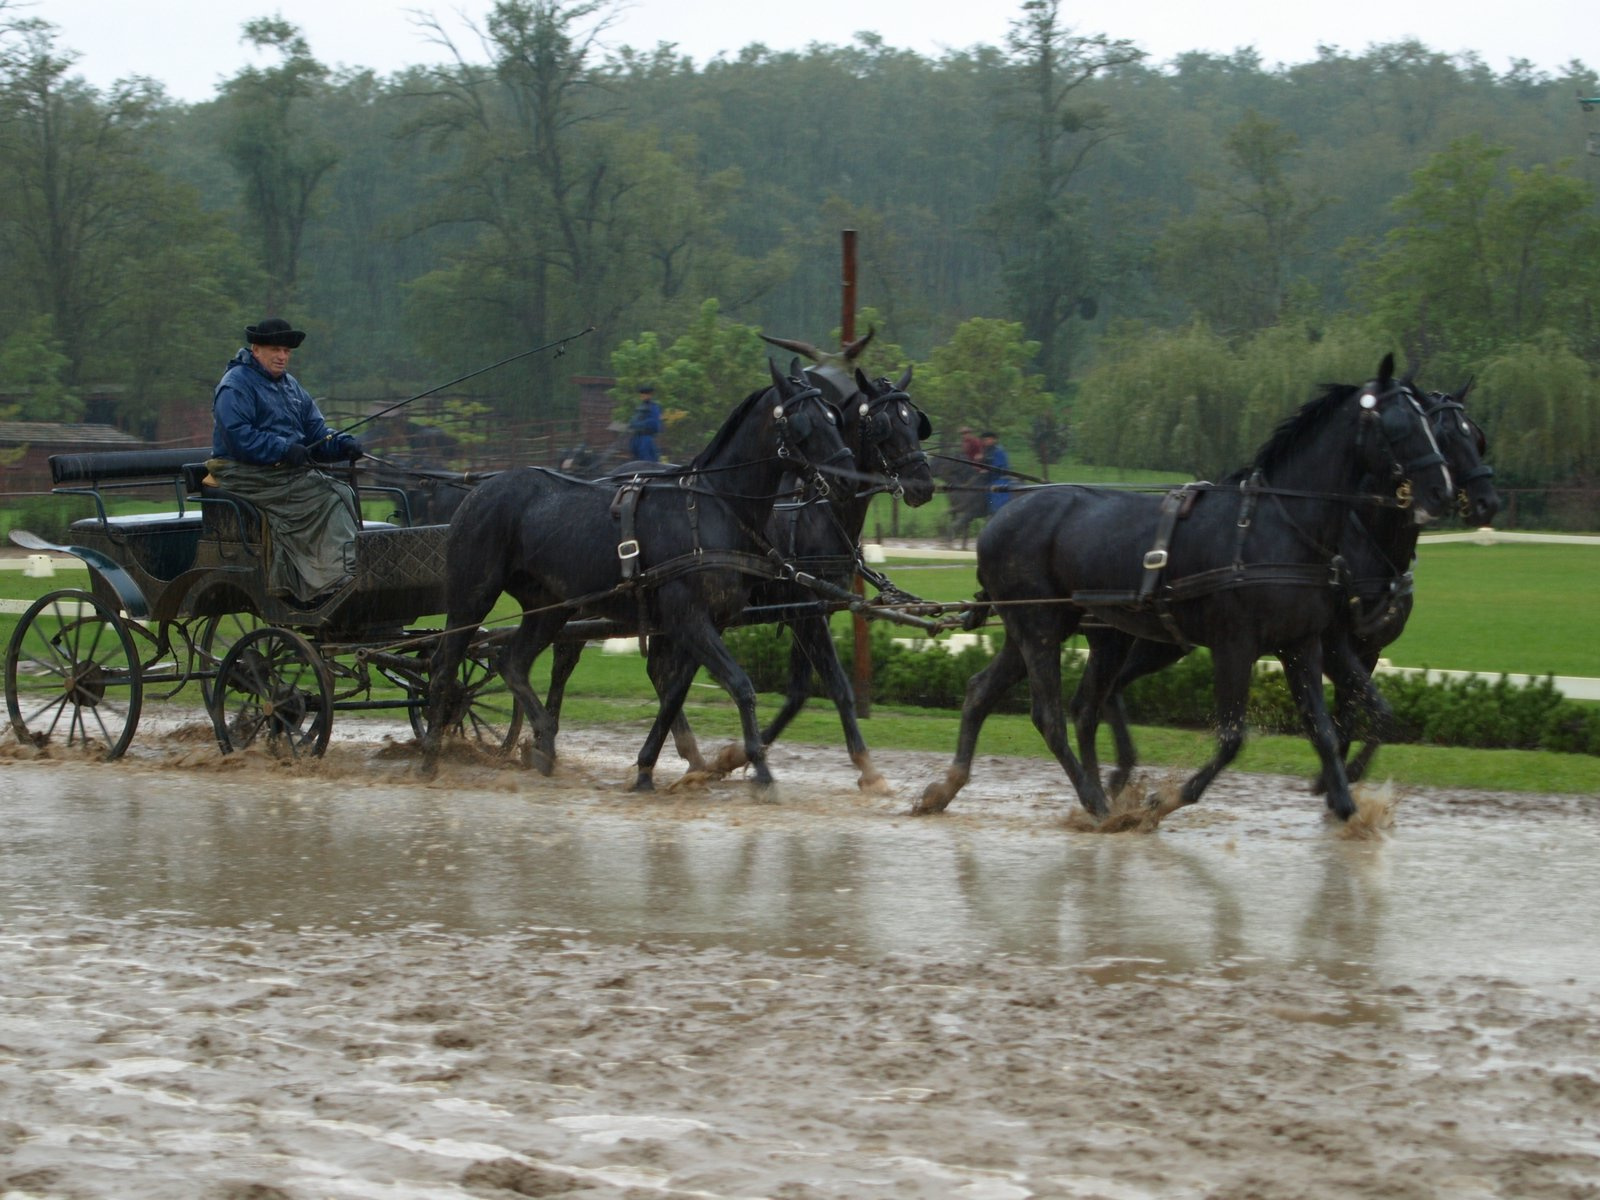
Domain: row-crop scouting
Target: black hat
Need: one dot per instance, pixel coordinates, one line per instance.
(990, 433)
(647, 389)
(274, 331)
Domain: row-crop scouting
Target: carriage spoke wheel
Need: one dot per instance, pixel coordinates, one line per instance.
(72, 675)
(273, 688)
(218, 635)
(490, 720)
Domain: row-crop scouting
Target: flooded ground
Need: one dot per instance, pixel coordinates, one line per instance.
(239, 980)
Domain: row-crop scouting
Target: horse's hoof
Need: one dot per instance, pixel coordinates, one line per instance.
(643, 783)
(876, 784)
(934, 800)
(729, 759)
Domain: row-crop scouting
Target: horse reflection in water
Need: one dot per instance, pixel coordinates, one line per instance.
(1243, 569)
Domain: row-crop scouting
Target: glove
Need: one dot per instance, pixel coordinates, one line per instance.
(296, 455)
(352, 449)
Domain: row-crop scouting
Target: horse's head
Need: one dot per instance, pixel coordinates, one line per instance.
(807, 427)
(1464, 446)
(1400, 448)
(885, 429)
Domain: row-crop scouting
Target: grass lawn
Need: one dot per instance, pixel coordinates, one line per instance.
(1521, 608)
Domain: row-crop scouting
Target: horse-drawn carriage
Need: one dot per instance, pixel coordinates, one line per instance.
(180, 597)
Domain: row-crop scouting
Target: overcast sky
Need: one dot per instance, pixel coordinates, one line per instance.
(191, 44)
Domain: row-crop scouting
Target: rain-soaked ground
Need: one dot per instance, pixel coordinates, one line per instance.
(239, 980)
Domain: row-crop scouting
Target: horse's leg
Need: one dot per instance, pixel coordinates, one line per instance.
(1144, 657)
(1302, 671)
(534, 633)
(1230, 674)
(661, 651)
(1041, 652)
(811, 647)
(702, 642)
(983, 692)
(672, 673)
(1097, 695)
(1361, 705)
(446, 697)
(564, 657)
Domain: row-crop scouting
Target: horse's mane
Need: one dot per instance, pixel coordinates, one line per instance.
(1305, 423)
(723, 435)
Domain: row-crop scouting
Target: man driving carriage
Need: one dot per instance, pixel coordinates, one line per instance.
(267, 436)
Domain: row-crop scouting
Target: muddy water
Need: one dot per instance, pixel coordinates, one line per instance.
(237, 979)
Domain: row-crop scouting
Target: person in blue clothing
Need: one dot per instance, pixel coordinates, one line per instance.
(643, 427)
(997, 462)
(268, 438)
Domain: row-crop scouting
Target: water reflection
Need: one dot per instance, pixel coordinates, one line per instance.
(1452, 892)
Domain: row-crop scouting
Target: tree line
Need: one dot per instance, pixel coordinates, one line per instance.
(1147, 263)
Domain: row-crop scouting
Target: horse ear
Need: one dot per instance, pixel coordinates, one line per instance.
(1461, 396)
(1386, 368)
(778, 381)
(905, 381)
(796, 371)
(863, 384)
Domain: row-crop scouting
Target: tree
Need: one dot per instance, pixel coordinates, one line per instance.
(576, 217)
(699, 377)
(31, 369)
(108, 262)
(1489, 256)
(981, 376)
(1233, 261)
(76, 186)
(1050, 267)
(275, 146)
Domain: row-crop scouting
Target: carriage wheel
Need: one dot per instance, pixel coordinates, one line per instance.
(491, 720)
(72, 673)
(219, 635)
(272, 684)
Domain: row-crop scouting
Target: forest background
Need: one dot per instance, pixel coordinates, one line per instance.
(1104, 260)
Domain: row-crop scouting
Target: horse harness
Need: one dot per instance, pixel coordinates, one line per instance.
(1158, 594)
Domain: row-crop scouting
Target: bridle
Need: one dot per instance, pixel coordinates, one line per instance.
(794, 426)
(1442, 410)
(876, 416)
(1393, 419)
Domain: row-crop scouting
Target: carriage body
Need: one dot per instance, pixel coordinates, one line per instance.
(180, 596)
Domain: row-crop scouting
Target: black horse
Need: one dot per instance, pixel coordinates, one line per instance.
(820, 536)
(1377, 550)
(680, 558)
(1243, 569)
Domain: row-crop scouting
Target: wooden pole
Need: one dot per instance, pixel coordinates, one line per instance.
(847, 334)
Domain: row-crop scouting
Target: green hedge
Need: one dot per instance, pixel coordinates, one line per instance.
(1477, 711)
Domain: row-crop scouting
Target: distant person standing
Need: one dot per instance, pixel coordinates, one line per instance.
(643, 427)
(996, 461)
(267, 435)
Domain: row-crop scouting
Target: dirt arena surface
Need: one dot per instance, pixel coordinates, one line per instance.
(239, 980)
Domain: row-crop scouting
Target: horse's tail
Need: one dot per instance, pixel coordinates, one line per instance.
(977, 613)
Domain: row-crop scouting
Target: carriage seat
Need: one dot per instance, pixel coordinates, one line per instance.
(229, 515)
